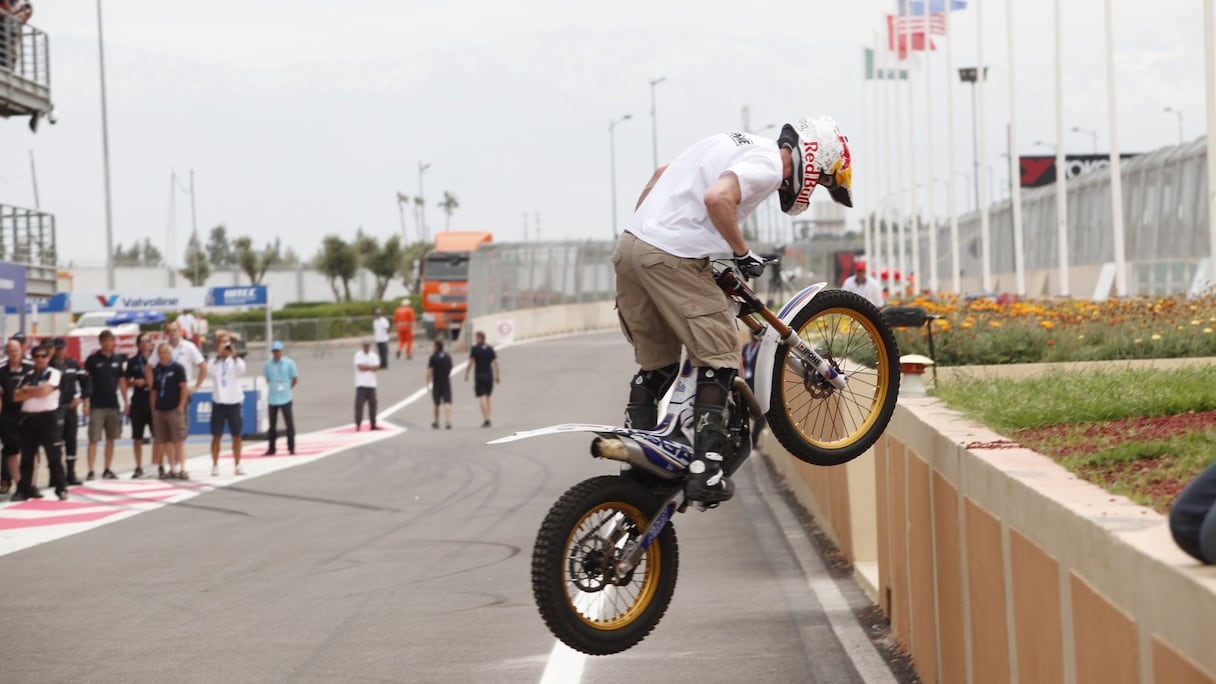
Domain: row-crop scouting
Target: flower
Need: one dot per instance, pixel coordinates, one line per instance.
(1047, 324)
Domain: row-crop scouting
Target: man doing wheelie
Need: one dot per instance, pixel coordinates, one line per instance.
(666, 294)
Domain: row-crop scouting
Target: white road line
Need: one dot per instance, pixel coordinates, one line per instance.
(565, 665)
(854, 640)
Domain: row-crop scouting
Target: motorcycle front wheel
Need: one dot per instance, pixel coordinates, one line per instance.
(815, 421)
(582, 536)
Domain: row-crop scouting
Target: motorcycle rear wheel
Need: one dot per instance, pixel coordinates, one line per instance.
(815, 421)
(579, 537)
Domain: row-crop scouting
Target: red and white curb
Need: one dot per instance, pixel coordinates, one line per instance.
(101, 502)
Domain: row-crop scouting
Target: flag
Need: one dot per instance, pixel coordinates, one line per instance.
(935, 6)
(903, 40)
(873, 74)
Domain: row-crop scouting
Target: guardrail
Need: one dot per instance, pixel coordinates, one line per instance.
(27, 236)
(24, 51)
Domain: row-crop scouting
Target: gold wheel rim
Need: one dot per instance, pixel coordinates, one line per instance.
(833, 419)
(613, 606)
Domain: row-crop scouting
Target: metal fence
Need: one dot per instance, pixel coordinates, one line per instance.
(1165, 213)
(27, 236)
(24, 51)
(511, 276)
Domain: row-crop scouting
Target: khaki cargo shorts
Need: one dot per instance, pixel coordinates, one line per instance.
(104, 422)
(665, 302)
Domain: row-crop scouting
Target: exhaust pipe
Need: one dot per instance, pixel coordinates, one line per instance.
(626, 450)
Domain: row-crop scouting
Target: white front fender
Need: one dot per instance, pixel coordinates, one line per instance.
(768, 346)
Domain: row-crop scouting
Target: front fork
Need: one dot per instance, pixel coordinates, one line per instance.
(802, 355)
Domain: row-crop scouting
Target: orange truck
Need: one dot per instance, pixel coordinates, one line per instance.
(445, 282)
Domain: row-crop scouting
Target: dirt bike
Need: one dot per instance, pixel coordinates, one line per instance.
(605, 559)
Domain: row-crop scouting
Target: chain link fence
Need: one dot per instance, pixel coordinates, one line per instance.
(512, 276)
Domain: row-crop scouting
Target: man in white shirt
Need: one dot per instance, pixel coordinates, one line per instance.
(227, 396)
(41, 425)
(187, 323)
(186, 353)
(367, 364)
(666, 295)
(380, 325)
(860, 283)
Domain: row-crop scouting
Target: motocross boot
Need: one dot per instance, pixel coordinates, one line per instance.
(706, 482)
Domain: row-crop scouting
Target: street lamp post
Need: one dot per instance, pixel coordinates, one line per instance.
(105, 153)
(612, 164)
(422, 229)
(1178, 113)
(1091, 133)
(654, 124)
(971, 75)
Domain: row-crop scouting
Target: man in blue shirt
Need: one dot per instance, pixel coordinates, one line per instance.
(281, 375)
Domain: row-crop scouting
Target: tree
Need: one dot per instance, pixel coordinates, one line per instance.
(197, 268)
(219, 251)
(255, 263)
(412, 254)
(289, 259)
(151, 256)
(449, 204)
(339, 261)
(384, 263)
(422, 232)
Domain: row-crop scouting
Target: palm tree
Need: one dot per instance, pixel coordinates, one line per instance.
(449, 204)
(423, 235)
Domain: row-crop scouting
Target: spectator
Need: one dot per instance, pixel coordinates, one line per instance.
(1193, 517)
(25, 345)
(10, 415)
(860, 284)
(282, 377)
(484, 364)
(227, 396)
(71, 393)
(367, 363)
(438, 376)
(139, 409)
(170, 392)
(187, 354)
(108, 388)
(380, 330)
(41, 425)
(187, 323)
(404, 317)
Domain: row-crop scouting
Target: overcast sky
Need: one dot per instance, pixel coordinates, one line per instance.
(305, 118)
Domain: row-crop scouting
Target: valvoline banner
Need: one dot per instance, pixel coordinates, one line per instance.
(175, 299)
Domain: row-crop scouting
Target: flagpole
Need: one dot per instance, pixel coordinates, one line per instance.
(901, 244)
(1015, 171)
(1116, 170)
(913, 260)
(1209, 68)
(955, 252)
(985, 227)
(929, 158)
(1061, 181)
(867, 141)
(890, 212)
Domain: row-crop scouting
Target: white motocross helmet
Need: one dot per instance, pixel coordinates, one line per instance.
(820, 155)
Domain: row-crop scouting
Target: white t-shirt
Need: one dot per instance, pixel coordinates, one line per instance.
(189, 357)
(870, 289)
(49, 376)
(380, 327)
(225, 377)
(674, 218)
(366, 378)
(186, 322)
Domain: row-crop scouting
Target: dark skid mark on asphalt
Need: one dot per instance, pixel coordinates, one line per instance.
(313, 499)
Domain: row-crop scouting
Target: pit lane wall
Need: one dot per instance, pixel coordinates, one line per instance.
(508, 326)
(994, 564)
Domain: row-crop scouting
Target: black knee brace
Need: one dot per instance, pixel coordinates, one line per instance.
(645, 390)
(713, 386)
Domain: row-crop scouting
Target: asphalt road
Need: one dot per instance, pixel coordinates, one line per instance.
(408, 560)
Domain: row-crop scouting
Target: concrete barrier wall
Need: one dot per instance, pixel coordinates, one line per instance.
(994, 564)
(548, 320)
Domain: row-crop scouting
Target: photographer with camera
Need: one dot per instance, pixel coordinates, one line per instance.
(226, 370)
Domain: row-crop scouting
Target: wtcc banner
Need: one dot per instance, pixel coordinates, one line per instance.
(175, 299)
(1038, 171)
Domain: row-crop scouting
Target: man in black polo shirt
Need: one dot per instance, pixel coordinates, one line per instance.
(105, 369)
(10, 413)
(438, 372)
(483, 363)
(71, 393)
(138, 409)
